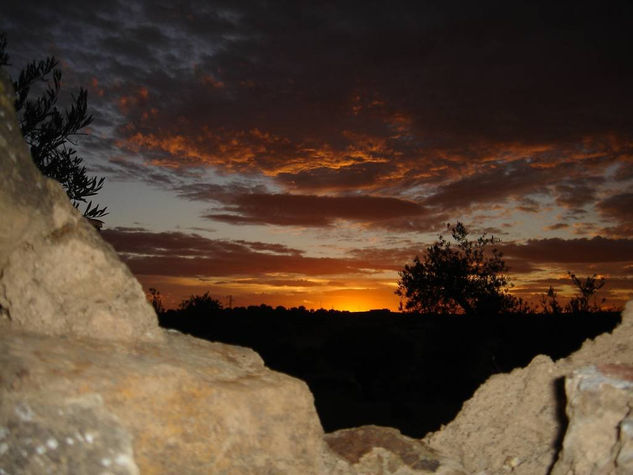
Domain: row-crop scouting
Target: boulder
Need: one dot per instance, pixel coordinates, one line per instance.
(57, 276)
(182, 406)
(516, 422)
(599, 437)
(384, 450)
(76, 436)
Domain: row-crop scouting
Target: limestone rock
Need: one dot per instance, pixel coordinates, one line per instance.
(599, 438)
(374, 450)
(77, 436)
(57, 276)
(509, 424)
(189, 406)
(515, 422)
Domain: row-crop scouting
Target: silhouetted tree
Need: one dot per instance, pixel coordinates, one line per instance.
(48, 131)
(468, 276)
(157, 301)
(200, 305)
(550, 304)
(587, 288)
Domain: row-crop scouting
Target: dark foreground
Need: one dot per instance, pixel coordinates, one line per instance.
(404, 371)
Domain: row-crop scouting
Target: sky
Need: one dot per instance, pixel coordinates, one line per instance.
(301, 153)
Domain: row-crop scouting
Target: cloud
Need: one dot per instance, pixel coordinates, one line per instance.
(122, 169)
(452, 102)
(576, 193)
(581, 250)
(355, 176)
(618, 208)
(191, 255)
(493, 184)
(313, 210)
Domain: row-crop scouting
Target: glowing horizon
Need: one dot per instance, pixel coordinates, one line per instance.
(303, 154)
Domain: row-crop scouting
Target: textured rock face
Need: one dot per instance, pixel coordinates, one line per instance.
(384, 450)
(184, 406)
(78, 436)
(515, 422)
(57, 275)
(599, 438)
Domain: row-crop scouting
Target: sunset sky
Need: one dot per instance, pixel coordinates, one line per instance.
(300, 153)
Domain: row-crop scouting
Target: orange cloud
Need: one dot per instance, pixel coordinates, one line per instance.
(136, 99)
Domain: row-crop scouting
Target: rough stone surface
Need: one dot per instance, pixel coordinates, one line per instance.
(190, 406)
(57, 276)
(599, 438)
(76, 436)
(375, 450)
(515, 422)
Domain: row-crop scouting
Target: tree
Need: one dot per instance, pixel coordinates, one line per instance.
(587, 288)
(200, 305)
(550, 304)
(49, 130)
(468, 277)
(157, 301)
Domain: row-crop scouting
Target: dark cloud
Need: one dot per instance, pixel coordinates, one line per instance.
(388, 259)
(575, 194)
(355, 176)
(529, 205)
(582, 250)
(313, 210)
(122, 169)
(337, 97)
(191, 255)
(268, 281)
(557, 226)
(140, 241)
(619, 207)
(494, 184)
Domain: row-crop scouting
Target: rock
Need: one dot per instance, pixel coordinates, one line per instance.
(599, 438)
(509, 423)
(76, 436)
(375, 450)
(515, 422)
(57, 276)
(189, 406)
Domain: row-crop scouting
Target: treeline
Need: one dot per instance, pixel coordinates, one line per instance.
(402, 370)
(409, 370)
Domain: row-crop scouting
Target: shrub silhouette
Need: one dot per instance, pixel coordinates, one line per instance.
(467, 277)
(587, 288)
(156, 301)
(582, 303)
(48, 131)
(201, 305)
(550, 304)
